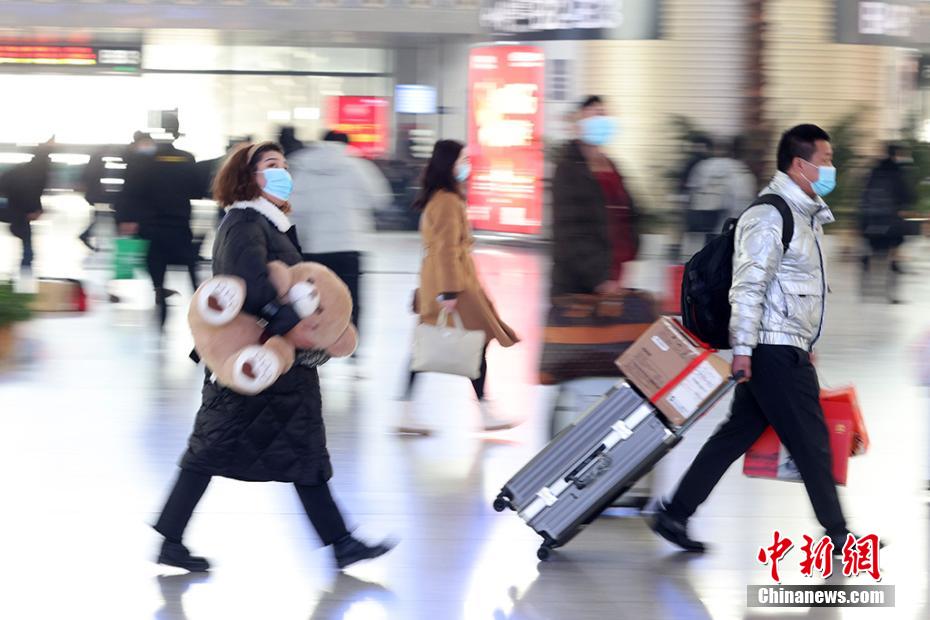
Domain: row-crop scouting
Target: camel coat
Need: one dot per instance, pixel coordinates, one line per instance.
(448, 268)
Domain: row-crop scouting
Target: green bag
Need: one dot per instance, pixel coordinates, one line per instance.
(129, 255)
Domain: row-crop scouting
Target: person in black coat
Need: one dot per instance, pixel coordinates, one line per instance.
(157, 202)
(888, 193)
(23, 187)
(277, 435)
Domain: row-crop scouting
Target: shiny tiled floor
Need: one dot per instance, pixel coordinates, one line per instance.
(97, 410)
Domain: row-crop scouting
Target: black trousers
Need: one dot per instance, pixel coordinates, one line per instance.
(785, 393)
(477, 384)
(348, 266)
(22, 230)
(157, 261)
(190, 486)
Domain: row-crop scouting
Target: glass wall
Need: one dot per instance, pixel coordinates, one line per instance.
(219, 92)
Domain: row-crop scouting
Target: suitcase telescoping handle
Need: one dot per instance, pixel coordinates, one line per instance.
(712, 402)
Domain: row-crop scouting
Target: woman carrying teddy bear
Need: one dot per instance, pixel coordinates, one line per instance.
(278, 434)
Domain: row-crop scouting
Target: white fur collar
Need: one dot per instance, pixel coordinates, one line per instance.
(264, 206)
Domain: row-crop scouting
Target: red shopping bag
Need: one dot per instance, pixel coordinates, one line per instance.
(768, 458)
(838, 402)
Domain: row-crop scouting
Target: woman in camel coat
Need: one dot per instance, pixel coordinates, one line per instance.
(448, 278)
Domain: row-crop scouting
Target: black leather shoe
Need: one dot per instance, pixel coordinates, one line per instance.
(839, 541)
(176, 554)
(673, 530)
(349, 550)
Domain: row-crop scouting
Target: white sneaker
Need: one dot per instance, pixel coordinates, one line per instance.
(408, 424)
(491, 420)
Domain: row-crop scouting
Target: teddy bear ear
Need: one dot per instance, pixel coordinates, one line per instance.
(346, 344)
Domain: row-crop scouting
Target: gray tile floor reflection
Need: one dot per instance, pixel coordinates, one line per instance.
(96, 413)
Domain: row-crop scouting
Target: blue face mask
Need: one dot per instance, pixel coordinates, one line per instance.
(462, 172)
(598, 130)
(826, 180)
(278, 183)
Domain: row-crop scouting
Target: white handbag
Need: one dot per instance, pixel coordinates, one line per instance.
(452, 350)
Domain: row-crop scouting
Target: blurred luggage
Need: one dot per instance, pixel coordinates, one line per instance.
(60, 295)
(591, 463)
(585, 333)
(768, 458)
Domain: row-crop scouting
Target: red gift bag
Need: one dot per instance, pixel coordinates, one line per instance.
(838, 402)
(768, 458)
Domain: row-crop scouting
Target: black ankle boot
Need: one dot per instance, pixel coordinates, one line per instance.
(673, 530)
(349, 550)
(176, 554)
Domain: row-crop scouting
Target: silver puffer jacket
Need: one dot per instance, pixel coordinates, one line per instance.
(778, 297)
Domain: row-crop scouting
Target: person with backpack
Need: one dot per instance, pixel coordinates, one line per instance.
(774, 319)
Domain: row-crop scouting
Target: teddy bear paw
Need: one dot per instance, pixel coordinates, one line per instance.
(220, 300)
(256, 369)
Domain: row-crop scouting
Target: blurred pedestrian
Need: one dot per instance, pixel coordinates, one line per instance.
(889, 192)
(719, 187)
(287, 138)
(278, 434)
(448, 276)
(771, 345)
(335, 198)
(594, 217)
(23, 186)
(94, 194)
(157, 205)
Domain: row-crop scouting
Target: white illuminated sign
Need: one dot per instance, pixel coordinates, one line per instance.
(524, 16)
(886, 19)
(119, 57)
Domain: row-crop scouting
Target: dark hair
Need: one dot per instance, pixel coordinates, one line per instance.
(336, 136)
(139, 136)
(800, 142)
(236, 179)
(440, 172)
(591, 100)
(287, 138)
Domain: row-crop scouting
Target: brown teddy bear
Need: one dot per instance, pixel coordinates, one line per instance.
(228, 340)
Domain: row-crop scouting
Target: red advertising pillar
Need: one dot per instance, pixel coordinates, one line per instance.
(505, 128)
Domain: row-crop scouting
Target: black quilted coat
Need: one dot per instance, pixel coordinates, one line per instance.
(278, 434)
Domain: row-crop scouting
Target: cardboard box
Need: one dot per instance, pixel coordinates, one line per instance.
(673, 370)
(59, 295)
(768, 458)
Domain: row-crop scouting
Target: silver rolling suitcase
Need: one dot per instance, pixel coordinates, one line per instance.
(575, 398)
(590, 464)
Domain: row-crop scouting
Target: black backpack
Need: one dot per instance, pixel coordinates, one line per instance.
(705, 285)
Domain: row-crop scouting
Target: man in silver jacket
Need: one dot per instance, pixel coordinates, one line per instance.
(777, 299)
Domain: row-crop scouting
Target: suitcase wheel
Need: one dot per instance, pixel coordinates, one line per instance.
(501, 504)
(543, 553)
